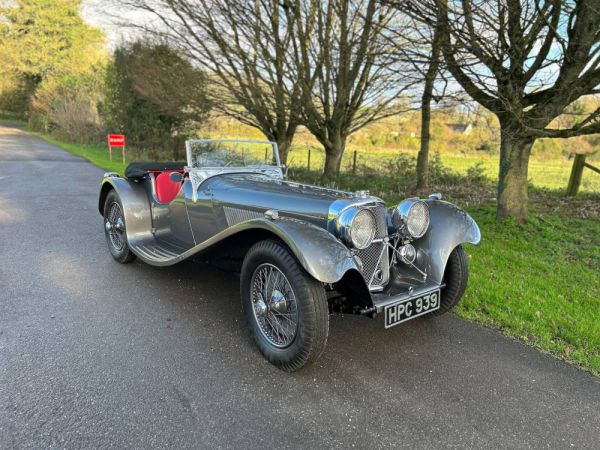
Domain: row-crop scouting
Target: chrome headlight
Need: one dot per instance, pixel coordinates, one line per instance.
(357, 227)
(412, 217)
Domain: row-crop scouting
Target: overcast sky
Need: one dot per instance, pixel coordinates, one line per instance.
(98, 13)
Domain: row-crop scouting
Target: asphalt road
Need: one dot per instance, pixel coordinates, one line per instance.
(96, 354)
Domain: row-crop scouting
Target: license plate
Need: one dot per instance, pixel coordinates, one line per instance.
(410, 308)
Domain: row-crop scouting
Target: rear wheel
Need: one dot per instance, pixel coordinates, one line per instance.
(285, 308)
(456, 277)
(114, 229)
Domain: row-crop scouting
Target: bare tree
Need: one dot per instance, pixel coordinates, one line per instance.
(342, 60)
(244, 46)
(419, 51)
(428, 86)
(422, 50)
(526, 61)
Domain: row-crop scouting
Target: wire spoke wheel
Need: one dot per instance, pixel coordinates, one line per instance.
(274, 305)
(115, 230)
(115, 226)
(285, 307)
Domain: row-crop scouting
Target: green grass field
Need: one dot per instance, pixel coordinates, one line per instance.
(549, 174)
(552, 174)
(538, 282)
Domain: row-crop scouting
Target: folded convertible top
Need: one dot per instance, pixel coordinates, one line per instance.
(140, 169)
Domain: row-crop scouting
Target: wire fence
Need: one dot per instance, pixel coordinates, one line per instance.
(312, 158)
(551, 174)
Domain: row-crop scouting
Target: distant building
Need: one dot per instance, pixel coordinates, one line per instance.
(461, 128)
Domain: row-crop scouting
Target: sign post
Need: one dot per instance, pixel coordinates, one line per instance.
(116, 140)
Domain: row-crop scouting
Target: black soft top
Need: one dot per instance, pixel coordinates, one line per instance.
(140, 169)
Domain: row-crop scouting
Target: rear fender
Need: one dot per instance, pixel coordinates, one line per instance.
(136, 206)
(449, 227)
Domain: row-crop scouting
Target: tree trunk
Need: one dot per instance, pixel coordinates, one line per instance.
(178, 148)
(430, 76)
(333, 157)
(423, 156)
(283, 145)
(283, 135)
(515, 149)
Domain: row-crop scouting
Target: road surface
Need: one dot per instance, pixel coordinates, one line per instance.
(96, 354)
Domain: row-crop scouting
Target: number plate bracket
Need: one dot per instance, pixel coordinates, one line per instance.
(410, 308)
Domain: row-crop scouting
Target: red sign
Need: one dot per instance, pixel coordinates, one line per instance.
(116, 140)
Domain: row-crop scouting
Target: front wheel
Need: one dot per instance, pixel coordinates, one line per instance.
(456, 277)
(285, 308)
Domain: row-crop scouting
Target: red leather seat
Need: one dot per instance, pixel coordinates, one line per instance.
(166, 188)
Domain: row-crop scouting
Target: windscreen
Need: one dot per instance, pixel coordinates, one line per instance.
(231, 153)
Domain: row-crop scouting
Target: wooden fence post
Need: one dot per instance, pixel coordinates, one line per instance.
(354, 163)
(576, 172)
(308, 165)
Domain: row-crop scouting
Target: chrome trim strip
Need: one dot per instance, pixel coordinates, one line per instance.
(339, 206)
(153, 186)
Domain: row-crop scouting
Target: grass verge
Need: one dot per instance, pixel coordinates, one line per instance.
(93, 153)
(538, 282)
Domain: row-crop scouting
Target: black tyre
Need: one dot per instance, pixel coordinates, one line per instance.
(456, 277)
(114, 229)
(285, 308)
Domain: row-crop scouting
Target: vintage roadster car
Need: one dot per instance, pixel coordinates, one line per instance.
(303, 251)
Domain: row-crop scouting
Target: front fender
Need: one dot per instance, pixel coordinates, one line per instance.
(136, 206)
(449, 227)
(320, 253)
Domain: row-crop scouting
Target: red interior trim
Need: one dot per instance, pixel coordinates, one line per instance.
(165, 188)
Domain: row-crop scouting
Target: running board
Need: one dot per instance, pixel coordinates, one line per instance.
(158, 252)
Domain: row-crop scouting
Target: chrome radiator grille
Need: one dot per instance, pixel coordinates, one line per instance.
(370, 257)
(380, 213)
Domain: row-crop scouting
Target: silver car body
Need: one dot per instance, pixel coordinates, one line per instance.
(230, 208)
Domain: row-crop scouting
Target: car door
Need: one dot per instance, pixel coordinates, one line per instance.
(177, 217)
(200, 211)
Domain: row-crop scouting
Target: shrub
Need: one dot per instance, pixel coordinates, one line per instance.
(403, 169)
(14, 94)
(153, 94)
(476, 174)
(68, 106)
